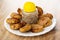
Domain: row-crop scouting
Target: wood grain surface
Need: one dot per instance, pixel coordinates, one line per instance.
(5, 9)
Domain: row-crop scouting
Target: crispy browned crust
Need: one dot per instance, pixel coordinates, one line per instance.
(36, 28)
(12, 20)
(40, 10)
(15, 26)
(19, 11)
(47, 15)
(45, 21)
(15, 15)
(26, 28)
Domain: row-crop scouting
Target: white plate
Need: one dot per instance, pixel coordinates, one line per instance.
(41, 3)
(17, 32)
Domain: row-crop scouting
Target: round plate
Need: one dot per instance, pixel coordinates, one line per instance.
(41, 3)
(17, 32)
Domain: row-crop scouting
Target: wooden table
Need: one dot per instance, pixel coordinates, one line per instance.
(5, 35)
